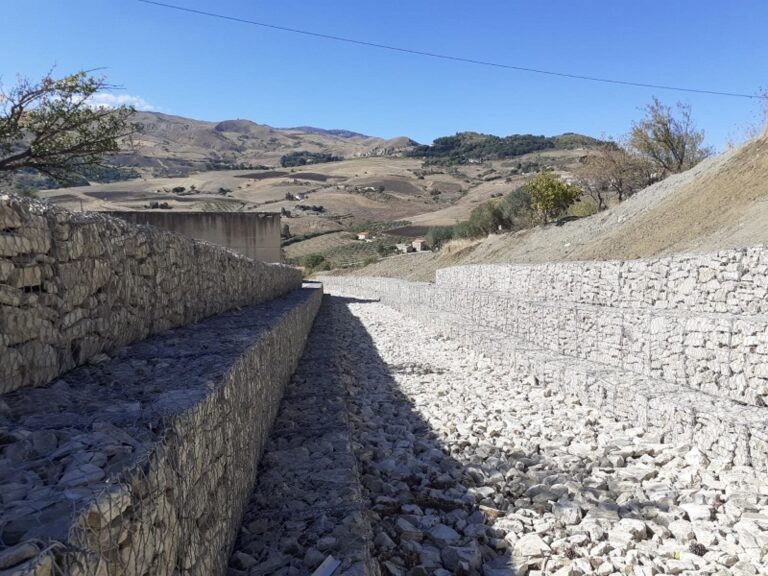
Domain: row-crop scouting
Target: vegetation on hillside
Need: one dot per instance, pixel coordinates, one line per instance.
(377, 227)
(466, 147)
(510, 213)
(550, 195)
(663, 142)
(614, 171)
(302, 158)
(313, 263)
(667, 140)
(223, 164)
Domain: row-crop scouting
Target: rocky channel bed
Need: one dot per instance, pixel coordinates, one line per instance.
(400, 450)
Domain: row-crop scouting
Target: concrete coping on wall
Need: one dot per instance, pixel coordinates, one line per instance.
(142, 464)
(253, 234)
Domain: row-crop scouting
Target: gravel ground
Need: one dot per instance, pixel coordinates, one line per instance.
(460, 467)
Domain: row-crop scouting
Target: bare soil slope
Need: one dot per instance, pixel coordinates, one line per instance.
(721, 203)
(724, 209)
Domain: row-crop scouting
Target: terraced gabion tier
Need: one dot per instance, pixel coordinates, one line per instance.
(142, 463)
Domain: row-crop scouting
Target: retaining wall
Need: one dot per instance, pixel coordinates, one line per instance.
(74, 285)
(252, 234)
(678, 343)
(143, 464)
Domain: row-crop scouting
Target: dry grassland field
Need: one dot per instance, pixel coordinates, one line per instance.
(319, 244)
(355, 191)
(351, 192)
(376, 183)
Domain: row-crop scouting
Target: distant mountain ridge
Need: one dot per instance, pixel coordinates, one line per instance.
(176, 146)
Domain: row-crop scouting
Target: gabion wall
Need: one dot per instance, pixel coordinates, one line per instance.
(677, 343)
(142, 465)
(74, 285)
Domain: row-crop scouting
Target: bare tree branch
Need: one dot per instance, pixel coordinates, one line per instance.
(670, 141)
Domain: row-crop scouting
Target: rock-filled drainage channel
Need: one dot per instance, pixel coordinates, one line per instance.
(399, 451)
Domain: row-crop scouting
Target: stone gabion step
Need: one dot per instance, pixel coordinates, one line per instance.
(307, 506)
(731, 281)
(723, 354)
(142, 464)
(473, 466)
(731, 433)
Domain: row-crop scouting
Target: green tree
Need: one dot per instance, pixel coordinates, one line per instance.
(670, 141)
(439, 235)
(286, 231)
(53, 128)
(484, 220)
(550, 195)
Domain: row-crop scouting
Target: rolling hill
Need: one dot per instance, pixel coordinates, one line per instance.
(720, 203)
(192, 165)
(174, 146)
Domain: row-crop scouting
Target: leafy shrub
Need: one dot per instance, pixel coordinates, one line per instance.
(312, 260)
(583, 208)
(550, 196)
(516, 209)
(512, 212)
(440, 235)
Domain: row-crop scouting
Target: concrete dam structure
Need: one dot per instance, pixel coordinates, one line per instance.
(170, 407)
(255, 235)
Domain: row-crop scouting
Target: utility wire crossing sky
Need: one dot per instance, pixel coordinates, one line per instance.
(416, 68)
(449, 57)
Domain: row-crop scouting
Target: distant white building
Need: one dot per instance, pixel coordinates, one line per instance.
(420, 245)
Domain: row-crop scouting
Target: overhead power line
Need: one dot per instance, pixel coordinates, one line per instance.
(449, 57)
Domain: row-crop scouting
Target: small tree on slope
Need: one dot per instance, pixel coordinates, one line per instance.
(669, 141)
(550, 195)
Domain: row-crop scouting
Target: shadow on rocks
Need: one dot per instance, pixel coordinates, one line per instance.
(424, 516)
(457, 483)
(369, 462)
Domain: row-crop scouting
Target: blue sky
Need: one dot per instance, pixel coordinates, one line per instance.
(211, 69)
